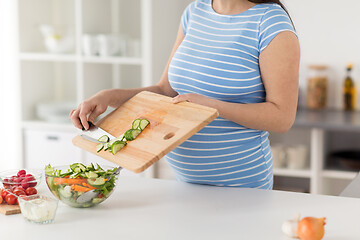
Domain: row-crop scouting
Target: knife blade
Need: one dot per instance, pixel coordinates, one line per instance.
(94, 133)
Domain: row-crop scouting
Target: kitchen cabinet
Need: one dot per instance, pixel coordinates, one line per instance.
(322, 132)
(44, 147)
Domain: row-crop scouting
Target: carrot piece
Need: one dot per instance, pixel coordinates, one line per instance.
(88, 185)
(70, 181)
(79, 188)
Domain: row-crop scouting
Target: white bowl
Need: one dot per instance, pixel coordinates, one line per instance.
(55, 111)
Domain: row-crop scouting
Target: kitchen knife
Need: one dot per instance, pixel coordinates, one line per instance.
(94, 133)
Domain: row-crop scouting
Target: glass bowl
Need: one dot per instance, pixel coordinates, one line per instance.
(68, 190)
(26, 178)
(39, 209)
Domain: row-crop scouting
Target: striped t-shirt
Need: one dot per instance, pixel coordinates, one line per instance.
(219, 58)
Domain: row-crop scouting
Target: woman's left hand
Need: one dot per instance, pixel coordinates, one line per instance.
(194, 98)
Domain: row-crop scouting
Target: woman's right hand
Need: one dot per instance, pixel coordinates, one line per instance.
(90, 109)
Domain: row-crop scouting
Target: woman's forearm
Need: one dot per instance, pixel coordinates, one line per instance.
(265, 116)
(119, 96)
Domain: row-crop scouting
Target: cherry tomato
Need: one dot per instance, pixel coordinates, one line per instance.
(11, 199)
(1, 199)
(24, 184)
(19, 189)
(7, 182)
(31, 191)
(31, 180)
(19, 192)
(21, 173)
(4, 193)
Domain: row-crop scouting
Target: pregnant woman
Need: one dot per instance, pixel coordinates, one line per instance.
(242, 58)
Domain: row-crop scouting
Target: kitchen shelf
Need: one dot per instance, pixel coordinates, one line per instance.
(113, 60)
(43, 125)
(306, 173)
(323, 132)
(335, 174)
(48, 57)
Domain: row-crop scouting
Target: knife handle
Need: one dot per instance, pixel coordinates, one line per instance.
(90, 125)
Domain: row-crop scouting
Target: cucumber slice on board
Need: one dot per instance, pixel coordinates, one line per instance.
(106, 146)
(121, 138)
(136, 123)
(117, 146)
(104, 139)
(131, 134)
(143, 124)
(99, 147)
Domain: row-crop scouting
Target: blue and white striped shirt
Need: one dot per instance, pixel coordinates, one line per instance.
(219, 58)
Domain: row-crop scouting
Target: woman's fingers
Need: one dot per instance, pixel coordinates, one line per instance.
(74, 116)
(96, 112)
(79, 116)
(181, 98)
(83, 117)
(71, 113)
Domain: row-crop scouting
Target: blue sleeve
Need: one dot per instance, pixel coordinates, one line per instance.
(185, 17)
(274, 21)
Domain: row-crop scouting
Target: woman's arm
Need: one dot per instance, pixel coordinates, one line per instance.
(279, 66)
(91, 108)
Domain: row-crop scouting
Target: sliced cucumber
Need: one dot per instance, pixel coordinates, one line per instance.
(90, 167)
(75, 174)
(121, 138)
(104, 139)
(131, 134)
(65, 192)
(106, 146)
(78, 167)
(117, 146)
(97, 200)
(143, 124)
(136, 123)
(99, 147)
(96, 182)
(83, 175)
(98, 168)
(91, 174)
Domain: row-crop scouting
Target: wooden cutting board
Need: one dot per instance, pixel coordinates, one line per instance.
(9, 209)
(170, 125)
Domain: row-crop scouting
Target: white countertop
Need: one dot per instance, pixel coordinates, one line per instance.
(161, 209)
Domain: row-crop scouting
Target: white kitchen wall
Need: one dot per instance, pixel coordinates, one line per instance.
(167, 16)
(10, 154)
(329, 34)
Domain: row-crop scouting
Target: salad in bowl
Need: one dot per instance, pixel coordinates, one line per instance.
(68, 183)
